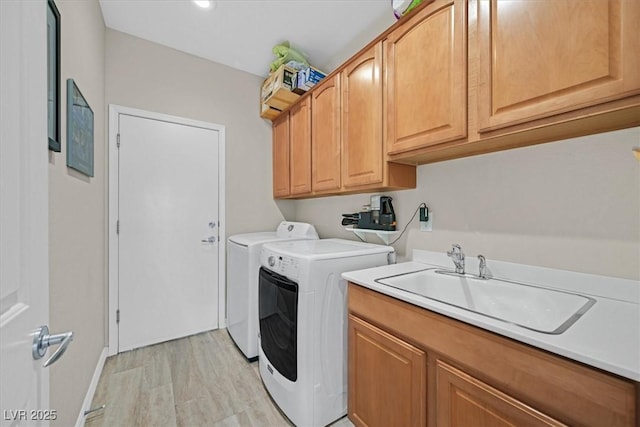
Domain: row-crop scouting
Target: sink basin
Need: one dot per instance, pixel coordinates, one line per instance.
(536, 308)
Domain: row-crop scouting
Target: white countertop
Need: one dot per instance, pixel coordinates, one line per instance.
(607, 336)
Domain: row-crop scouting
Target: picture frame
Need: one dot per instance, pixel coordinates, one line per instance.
(79, 130)
(53, 76)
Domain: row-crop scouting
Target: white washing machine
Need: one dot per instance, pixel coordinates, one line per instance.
(303, 323)
(243, 263)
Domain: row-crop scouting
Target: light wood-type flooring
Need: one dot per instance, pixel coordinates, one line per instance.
(201, 380)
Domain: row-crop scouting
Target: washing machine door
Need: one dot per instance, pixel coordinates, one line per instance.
(278, 312)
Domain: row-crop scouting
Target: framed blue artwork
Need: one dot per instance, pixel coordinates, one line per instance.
(79, 131)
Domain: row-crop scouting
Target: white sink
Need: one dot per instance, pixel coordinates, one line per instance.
(532, 307)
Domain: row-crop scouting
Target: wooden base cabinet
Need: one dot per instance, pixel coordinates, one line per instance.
(463, 400)
(387, 378)
(411, 367)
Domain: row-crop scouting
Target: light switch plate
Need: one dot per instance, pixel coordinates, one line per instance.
(427, 225)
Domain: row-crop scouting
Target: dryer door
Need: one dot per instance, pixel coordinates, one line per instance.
(278, 311)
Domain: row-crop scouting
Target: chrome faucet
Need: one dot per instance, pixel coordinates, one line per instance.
(457, 256)
(482, 269)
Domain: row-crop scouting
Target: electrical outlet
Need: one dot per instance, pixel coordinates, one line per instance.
(423, 213)
(427, 225)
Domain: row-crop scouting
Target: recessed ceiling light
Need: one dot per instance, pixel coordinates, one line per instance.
(205, 4)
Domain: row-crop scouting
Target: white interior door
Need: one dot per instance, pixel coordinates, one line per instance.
(168, 230)
(24, 268)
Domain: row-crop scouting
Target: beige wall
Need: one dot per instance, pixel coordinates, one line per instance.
(148, 76)
(373, 30)
(77, 218)
(571, 205)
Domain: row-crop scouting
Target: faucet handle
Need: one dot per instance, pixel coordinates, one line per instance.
(457, 256)
(482, 268)
(455, 247)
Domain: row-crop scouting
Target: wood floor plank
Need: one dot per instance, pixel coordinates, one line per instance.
(130, 359)
(157, 407)
(201, 380)
(157, 371)
(236, 420)
(185, 376)
(262, 412)
(123, 395)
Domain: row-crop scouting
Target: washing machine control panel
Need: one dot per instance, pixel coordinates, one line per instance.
(284, 265)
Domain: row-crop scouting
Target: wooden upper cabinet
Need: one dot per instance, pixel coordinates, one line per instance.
(464, 77)
(300, 148)
(462, 400)
(540, 58)
(362, 145)
(325, 135)
(281, 156)
(426, 78)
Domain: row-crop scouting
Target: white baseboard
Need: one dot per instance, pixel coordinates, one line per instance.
(86, 405)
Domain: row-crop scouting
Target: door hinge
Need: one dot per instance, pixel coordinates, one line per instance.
(118, 140)
(118, 227)
(118, 316)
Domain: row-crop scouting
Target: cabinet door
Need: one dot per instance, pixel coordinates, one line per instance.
(387, 378)
(325, 136)
(426, 78)
(540, 58)
(281, 156)
(362, 149)
(300, 155)
(462, 400)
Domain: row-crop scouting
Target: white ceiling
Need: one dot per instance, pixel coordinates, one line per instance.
(242, 33)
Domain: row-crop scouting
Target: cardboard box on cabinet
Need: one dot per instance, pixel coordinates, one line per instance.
(277, 89)
(267, 112)
(308, 78)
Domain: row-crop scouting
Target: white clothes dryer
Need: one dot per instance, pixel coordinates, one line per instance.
(243, 263)
(303, 323)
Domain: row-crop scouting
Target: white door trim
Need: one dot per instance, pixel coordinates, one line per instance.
(114, 112)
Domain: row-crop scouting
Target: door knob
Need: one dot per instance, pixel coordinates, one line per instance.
(42, 340)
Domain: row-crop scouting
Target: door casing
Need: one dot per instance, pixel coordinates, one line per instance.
(114, 112)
